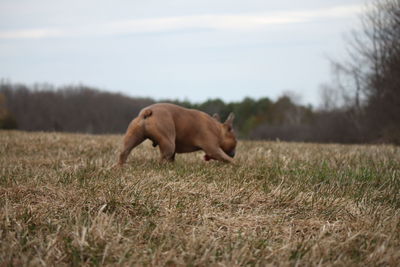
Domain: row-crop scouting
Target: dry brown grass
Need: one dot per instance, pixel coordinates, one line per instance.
(282, 204)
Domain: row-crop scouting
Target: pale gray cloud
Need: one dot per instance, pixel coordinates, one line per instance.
(230, 22)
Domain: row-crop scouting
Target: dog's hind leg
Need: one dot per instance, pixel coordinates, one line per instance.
(163, 134)
(167, 150)
(166, 143)
(134, 136)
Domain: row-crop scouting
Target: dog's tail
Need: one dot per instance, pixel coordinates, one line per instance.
(146, 113)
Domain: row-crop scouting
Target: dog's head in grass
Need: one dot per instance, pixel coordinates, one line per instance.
(228, 140)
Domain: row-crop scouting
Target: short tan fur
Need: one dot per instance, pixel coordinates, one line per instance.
(176, 129)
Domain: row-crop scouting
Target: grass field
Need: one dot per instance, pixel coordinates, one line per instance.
(61, 203)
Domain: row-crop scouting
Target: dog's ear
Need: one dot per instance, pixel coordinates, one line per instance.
(217, 117)
(229, 120)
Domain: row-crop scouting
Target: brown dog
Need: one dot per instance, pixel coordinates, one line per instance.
(180, 130)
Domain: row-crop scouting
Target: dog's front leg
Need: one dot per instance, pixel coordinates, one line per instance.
(218, 154)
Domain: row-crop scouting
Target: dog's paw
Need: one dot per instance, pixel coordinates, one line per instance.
(207, 157)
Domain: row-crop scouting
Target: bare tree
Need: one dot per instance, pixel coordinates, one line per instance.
(371, 76)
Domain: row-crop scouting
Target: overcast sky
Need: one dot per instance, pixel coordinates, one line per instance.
(177, 49)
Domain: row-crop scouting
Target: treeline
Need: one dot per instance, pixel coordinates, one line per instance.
(84, 109)
(69, 109)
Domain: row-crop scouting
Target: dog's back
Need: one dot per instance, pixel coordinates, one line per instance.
(186, 126)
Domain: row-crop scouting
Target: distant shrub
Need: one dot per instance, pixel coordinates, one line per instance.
(7, 120)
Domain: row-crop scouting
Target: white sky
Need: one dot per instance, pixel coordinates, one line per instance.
(178, 49)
